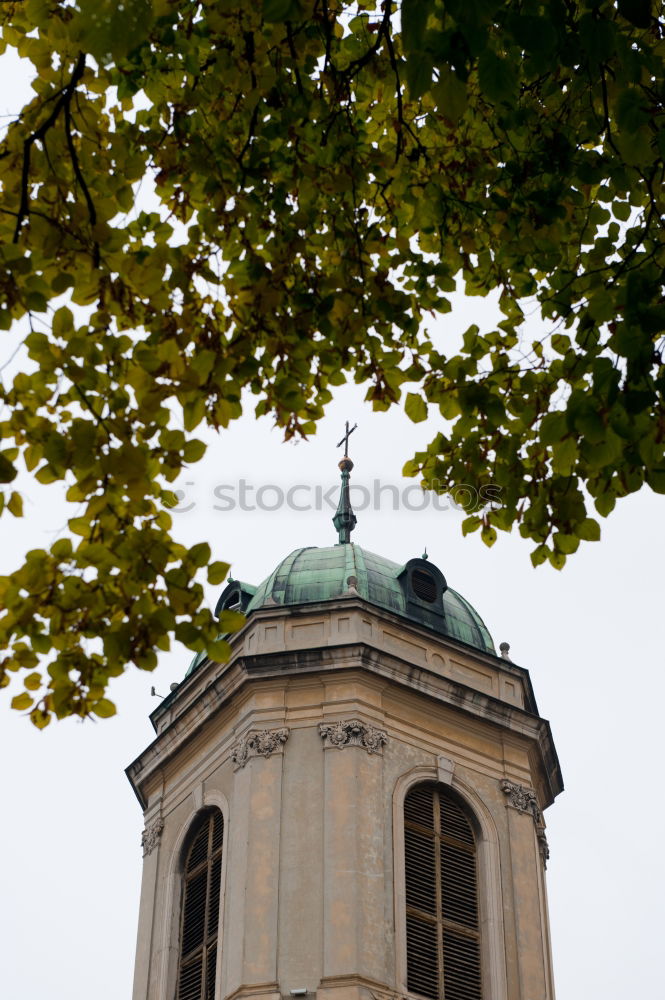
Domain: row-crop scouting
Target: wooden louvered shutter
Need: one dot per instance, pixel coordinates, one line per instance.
(442, 933)
(200, 910)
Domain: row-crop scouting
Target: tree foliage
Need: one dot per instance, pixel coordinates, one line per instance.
(207, 198)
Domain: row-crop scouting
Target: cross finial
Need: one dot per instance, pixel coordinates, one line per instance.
(345, 439)
(344, 519)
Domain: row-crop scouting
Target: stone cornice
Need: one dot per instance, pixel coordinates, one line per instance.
(345, 603)
(216, 692)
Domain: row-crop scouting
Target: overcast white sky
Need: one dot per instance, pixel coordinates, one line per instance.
(590, 636)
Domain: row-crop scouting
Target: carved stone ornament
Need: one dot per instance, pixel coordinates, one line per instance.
(543, 846)
(150, 836)
(353, 733)
(525, 801)
(258, 743)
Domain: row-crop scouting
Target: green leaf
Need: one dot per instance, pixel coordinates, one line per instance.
(450, 95)
(46, 474)
(199, 555)
(7, 471)
(656, 480)
(40, 718)
(470, 524)
(632, 109)
(275, 11)
(231, 621)
(22, 701)
(488, 535)
(63, 321)
(553, 428)
(418, 74)
(539, 555)
(589, 530)
(415, 14)
(80, 526)
(62, 282)
(194, 450)
(104, 708)
(110, 30)
(565, 543)
(194, 412)
(557, 559)
(605, 503)
(62, 548)
(415, 407)
(219, 650)
(217, 572)
(564, 456)
(15, 505)
(189, 635)
(497, 77)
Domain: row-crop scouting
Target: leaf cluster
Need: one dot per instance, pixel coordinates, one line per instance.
(321, 175)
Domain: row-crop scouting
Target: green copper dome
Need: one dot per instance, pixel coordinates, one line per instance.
(416, 591)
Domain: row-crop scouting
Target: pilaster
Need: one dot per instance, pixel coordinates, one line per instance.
(354, 926)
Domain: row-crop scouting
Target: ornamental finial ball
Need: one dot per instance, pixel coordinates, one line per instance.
(346, 464)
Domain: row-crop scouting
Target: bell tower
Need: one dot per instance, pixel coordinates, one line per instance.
(350, 808)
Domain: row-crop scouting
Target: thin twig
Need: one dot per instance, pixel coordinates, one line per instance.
(79, 176)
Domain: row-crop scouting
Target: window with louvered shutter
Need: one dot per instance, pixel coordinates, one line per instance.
(442, 927)
(200, 909)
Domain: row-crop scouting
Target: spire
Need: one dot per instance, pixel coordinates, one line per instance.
(344, 519)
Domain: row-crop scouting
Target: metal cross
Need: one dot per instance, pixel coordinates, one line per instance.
(345, 439)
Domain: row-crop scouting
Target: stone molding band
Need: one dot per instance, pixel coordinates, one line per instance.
(258, 743)
(151, 836)
(525, 800)
(352, 733)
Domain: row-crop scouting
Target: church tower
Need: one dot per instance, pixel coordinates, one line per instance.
(350, 808)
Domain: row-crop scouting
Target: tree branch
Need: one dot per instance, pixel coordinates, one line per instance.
(62, 103)
(79, 176)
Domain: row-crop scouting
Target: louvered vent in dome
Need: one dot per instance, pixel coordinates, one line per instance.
(424, 585)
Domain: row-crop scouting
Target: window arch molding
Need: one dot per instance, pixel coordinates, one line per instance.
(492, 942)
(173, 898)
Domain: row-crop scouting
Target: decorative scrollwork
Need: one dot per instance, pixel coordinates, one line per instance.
(150, 836)
(521, 798)
(525, 800)
(258, 743)
(353, 733)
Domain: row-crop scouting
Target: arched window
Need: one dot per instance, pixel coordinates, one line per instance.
(200, 908)
(442, 933)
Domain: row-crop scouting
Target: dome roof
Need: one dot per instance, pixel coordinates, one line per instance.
(416, 590)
